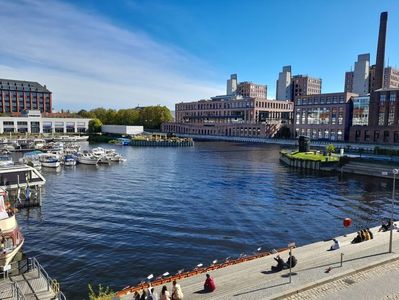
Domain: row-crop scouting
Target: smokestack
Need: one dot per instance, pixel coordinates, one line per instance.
(379, 64)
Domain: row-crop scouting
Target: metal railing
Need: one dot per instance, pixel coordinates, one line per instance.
(51, 283)
(17, 292)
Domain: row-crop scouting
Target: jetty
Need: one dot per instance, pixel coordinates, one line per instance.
(28, 280)
(316, 267)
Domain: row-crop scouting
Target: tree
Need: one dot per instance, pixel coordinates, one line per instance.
(330, 149)
(283, 132)
(95, 125)
(104, 293)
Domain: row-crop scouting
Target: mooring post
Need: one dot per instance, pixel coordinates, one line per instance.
(342, 258)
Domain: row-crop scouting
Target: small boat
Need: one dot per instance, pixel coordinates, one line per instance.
(50, 160)
(123, 141)
(39, 144)
(87, 158)
(69, 160)
(32, 159)
(81, 138)
(6, 160)
(10, 234)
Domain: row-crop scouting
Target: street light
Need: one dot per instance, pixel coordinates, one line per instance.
(395, 172)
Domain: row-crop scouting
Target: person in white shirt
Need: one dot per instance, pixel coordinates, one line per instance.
(336, 245)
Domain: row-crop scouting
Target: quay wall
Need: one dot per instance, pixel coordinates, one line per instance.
(144, 143)
(308, 164)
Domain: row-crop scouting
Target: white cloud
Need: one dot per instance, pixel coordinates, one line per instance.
(86, 61)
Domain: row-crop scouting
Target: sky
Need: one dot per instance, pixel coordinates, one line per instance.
(128, 53)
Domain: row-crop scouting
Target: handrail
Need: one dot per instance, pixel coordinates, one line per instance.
(54, 284)
(17, 292)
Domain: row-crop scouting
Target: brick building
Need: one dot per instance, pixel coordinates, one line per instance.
(323, 116)
(17, 95)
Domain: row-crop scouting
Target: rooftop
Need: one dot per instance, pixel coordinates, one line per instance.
(20, 85)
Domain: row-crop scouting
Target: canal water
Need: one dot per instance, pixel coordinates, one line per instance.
(167, 209)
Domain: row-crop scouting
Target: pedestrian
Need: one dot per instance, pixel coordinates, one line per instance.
(152, 295)
(177, 293)
(280, 264)
(143, 295)
(165, 293)
(209, 285)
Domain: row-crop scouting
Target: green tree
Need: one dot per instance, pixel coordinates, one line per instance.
(95, 125)
(330, 149)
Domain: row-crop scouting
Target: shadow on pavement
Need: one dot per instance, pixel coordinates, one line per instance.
(257, 290)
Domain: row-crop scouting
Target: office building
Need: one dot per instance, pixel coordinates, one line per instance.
(244, 112)
(288, 87)
(323, 116)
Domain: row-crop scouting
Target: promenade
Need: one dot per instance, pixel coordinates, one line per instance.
(253, 279)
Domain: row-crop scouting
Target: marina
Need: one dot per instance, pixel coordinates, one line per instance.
(149, 200)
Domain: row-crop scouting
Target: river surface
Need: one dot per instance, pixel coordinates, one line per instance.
(167, 209)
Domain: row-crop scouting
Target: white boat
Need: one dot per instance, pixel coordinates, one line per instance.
(100, 153)
(50, 160)
(69, 160)
(11, 238)
(32, 159)
(6, 160)
(39, 144)
(87, 159)
(81, 138)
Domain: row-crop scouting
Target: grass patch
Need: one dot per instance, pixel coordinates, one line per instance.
(311, 156)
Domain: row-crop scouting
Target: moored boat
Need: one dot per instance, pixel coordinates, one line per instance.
(87, 159)
(11, 238)
(49, 160)
(6, 160)
(69, 160)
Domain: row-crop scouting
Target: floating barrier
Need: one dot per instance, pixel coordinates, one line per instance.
(198, 270)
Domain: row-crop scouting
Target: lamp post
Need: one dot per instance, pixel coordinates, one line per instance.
(395, 172)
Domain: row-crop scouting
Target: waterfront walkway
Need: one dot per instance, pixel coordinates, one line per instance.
(253, 279)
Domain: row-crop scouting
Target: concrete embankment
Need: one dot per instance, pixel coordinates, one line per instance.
(370, 169)
(253, 279)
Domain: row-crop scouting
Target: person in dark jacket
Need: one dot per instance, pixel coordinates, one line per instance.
(280, 264)
(209, 285)
(293, 261)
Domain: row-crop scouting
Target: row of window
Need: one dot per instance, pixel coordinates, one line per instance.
(313, 133)
(320, 116)
(320, 100)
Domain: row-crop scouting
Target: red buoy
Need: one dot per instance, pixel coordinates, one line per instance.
(347, 222)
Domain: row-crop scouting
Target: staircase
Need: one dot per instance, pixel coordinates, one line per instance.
(34, 284)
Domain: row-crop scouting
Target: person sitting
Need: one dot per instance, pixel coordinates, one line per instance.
(209, 285)
(365, 235)
(280, 264)
(357, 239)
(292, 259)
(177, 293)
(136, 295)
(164, 293)
(336, 245)
(385, 226)
(370, 233)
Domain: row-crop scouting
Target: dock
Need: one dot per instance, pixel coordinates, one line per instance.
(254, 280)
(29, 281)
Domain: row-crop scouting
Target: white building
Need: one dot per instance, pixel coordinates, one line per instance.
(283, 86)
(33, 122)
(122, 129)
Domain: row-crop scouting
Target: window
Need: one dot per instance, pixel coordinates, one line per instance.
(381, 118)
(382, 98)
(386, 136)
(392, 97)
(376, 135)
(340, 115)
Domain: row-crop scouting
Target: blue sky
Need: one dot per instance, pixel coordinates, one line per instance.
(125, 53)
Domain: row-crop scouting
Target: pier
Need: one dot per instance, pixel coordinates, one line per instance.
(254, 280)
(28, 280)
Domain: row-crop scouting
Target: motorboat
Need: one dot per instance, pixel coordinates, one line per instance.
(11, 238)
(69, 160)
(32, 159)
(87, 158)
(6, 160)
(100, 153)
(81, 138)
(39, 144)
(123, 141)
(50, 160)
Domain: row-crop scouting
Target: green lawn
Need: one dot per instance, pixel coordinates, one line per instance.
(312, 156)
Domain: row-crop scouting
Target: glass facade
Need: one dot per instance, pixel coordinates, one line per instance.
(361, 110)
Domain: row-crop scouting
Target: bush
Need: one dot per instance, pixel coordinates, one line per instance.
(104, 293)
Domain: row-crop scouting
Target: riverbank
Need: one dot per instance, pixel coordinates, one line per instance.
(253, 279)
